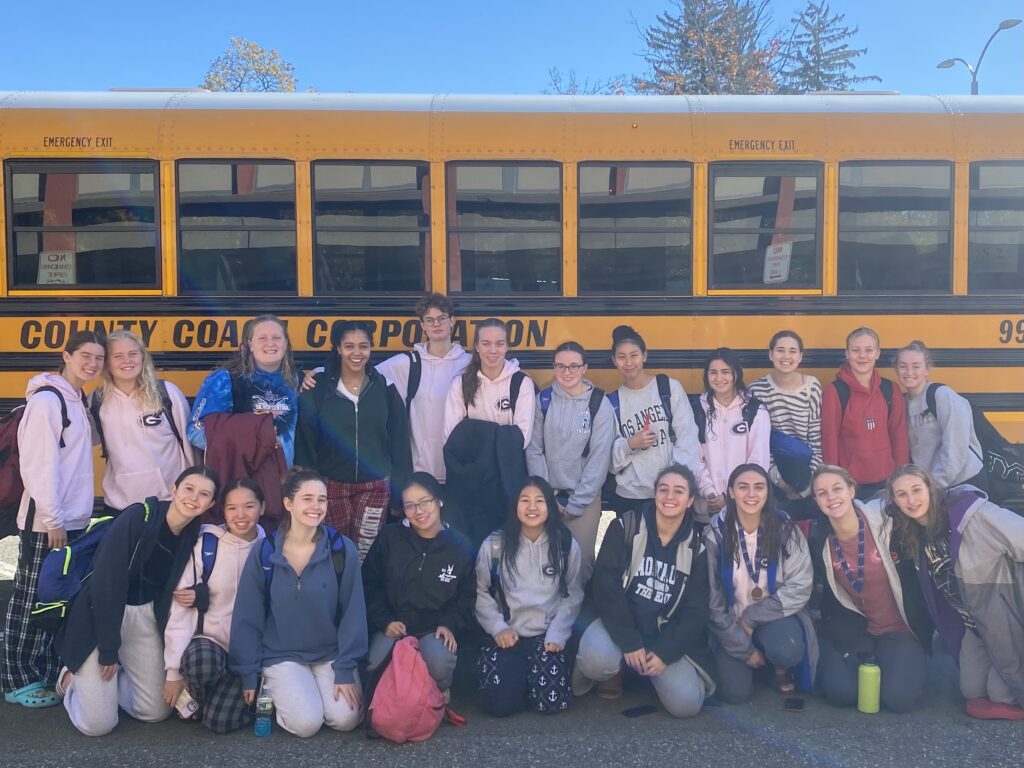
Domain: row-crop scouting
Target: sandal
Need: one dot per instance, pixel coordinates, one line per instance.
(33, 696)
(784, 682)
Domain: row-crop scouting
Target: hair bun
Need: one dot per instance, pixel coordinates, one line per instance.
(623, 332)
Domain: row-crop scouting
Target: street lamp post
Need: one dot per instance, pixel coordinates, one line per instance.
(947, 63)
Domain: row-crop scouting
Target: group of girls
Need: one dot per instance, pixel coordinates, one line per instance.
(702, 581)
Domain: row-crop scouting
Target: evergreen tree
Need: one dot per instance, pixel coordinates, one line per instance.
(819, 57)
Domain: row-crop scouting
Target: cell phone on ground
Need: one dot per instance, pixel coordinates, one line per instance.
(793, 705)
(644, 709)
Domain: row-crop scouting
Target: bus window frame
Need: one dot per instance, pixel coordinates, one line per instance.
(763, 167)
(950, 229)
(451, 207)
(78, 165)
(426, 231)
(580, 230)
(978, 164)
(178, 163)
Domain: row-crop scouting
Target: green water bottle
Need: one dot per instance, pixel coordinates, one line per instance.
(869, 686)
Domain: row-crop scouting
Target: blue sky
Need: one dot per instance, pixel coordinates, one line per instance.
(459, 46)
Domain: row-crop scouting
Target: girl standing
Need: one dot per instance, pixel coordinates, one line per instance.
(732, 426)
(793, 400)
(419, 581)
(141, 436)
(863, 421)
(55, 443)
(112, 640)
(353, 429)
(649, 602)
(528, 593)
(871, 601)
(655, 424)
(970, 560)
(943, 442)
(299, 617)
(761, 578)
(198, 631)
(573, 430)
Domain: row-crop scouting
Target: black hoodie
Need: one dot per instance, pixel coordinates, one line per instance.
(424, 583)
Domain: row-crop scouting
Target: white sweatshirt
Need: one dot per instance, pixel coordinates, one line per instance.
(426, 415)
(144, 458)
(492, 402)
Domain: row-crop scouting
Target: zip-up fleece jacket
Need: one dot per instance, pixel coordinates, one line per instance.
(987, 546)
(143, 455)
(232, 553)
(300, 623)
(790, 583)
(555, 451)
(944, 443)
(535, 604)
(426, 413)
(682, 629)
(423, 583)
(869, 440)
(355, 442)
(729, 442)
(94, 620)
(841, 620)
(59, 480)
(492, 402)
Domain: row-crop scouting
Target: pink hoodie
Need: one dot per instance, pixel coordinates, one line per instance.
(60, 480)
(492, 402)
(729, 443)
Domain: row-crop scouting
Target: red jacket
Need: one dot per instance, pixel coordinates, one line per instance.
(245, 445)
(869, 440)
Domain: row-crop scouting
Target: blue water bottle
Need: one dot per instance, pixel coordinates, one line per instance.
(264, 712)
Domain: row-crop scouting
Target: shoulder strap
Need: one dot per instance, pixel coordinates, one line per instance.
(494, 589)
(843, 392)
(886, 386)
(701, 419)
(151, 503)
(630, 526)
(513, 389)
(415, 373)
(929, 399)
(266, 550)
(545, 401)
(750, 409)
(613, 398)
(168, 409)
(338, 561)
(665, 393)
(94, 409)
(238, 390)
(564, 551)
(65, 422)
(209, 554)
(596, 396)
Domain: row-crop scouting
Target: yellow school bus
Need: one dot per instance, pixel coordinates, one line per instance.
(701, 221)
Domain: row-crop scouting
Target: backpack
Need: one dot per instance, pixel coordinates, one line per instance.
(749, 413)
(337, 542)
(596, 396)
(497, 591)
(843, 391)
(665, 395)
(64, 571)
(11, 486)
(415, 373)
(1000, 459)
(208, 557)
(165, 409)
(405, 702)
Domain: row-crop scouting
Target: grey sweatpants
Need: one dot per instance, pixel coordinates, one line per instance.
(303, 695)
(979, 678)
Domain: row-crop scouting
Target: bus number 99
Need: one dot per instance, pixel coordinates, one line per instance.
(1008, 331)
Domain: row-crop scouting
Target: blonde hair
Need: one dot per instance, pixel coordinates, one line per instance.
(863, 331)
(146, 392)
(832, 469)
(915, 346)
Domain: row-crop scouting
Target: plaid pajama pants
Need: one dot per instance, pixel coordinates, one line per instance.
(358, 510)
(204, 667)
(28, 653)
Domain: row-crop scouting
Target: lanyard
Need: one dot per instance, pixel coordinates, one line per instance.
(858, 582)
(755, 573)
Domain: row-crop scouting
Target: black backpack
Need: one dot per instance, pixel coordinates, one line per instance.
(1000, 459)
(749, 412)
(843, 390)
(415, 373)
(165, 409)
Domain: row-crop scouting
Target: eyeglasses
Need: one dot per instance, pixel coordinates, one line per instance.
(439, 320)
(422, 504)
(571, 368)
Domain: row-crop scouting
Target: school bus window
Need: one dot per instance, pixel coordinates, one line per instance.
(78, 224)
(236, 222)
(635, 227)
(996, 235)
(894, 227)
(765, 226)
(372, 225)
(504, 227)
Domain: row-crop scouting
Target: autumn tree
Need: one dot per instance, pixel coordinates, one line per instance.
(570, 85)
(818, 56)
(710, 46)
(246, 66)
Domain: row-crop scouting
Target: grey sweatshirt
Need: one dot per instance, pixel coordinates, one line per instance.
(944, 443)
(556, 447)
(535, 605)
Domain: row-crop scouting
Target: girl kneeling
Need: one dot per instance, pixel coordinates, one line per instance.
(528, 593)
(650, 598)
(300, 618)
(761, 579)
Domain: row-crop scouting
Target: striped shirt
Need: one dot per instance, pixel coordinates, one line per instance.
(795, 412)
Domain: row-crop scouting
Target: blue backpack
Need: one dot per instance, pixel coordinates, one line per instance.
(337, 558)
(65, 571)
